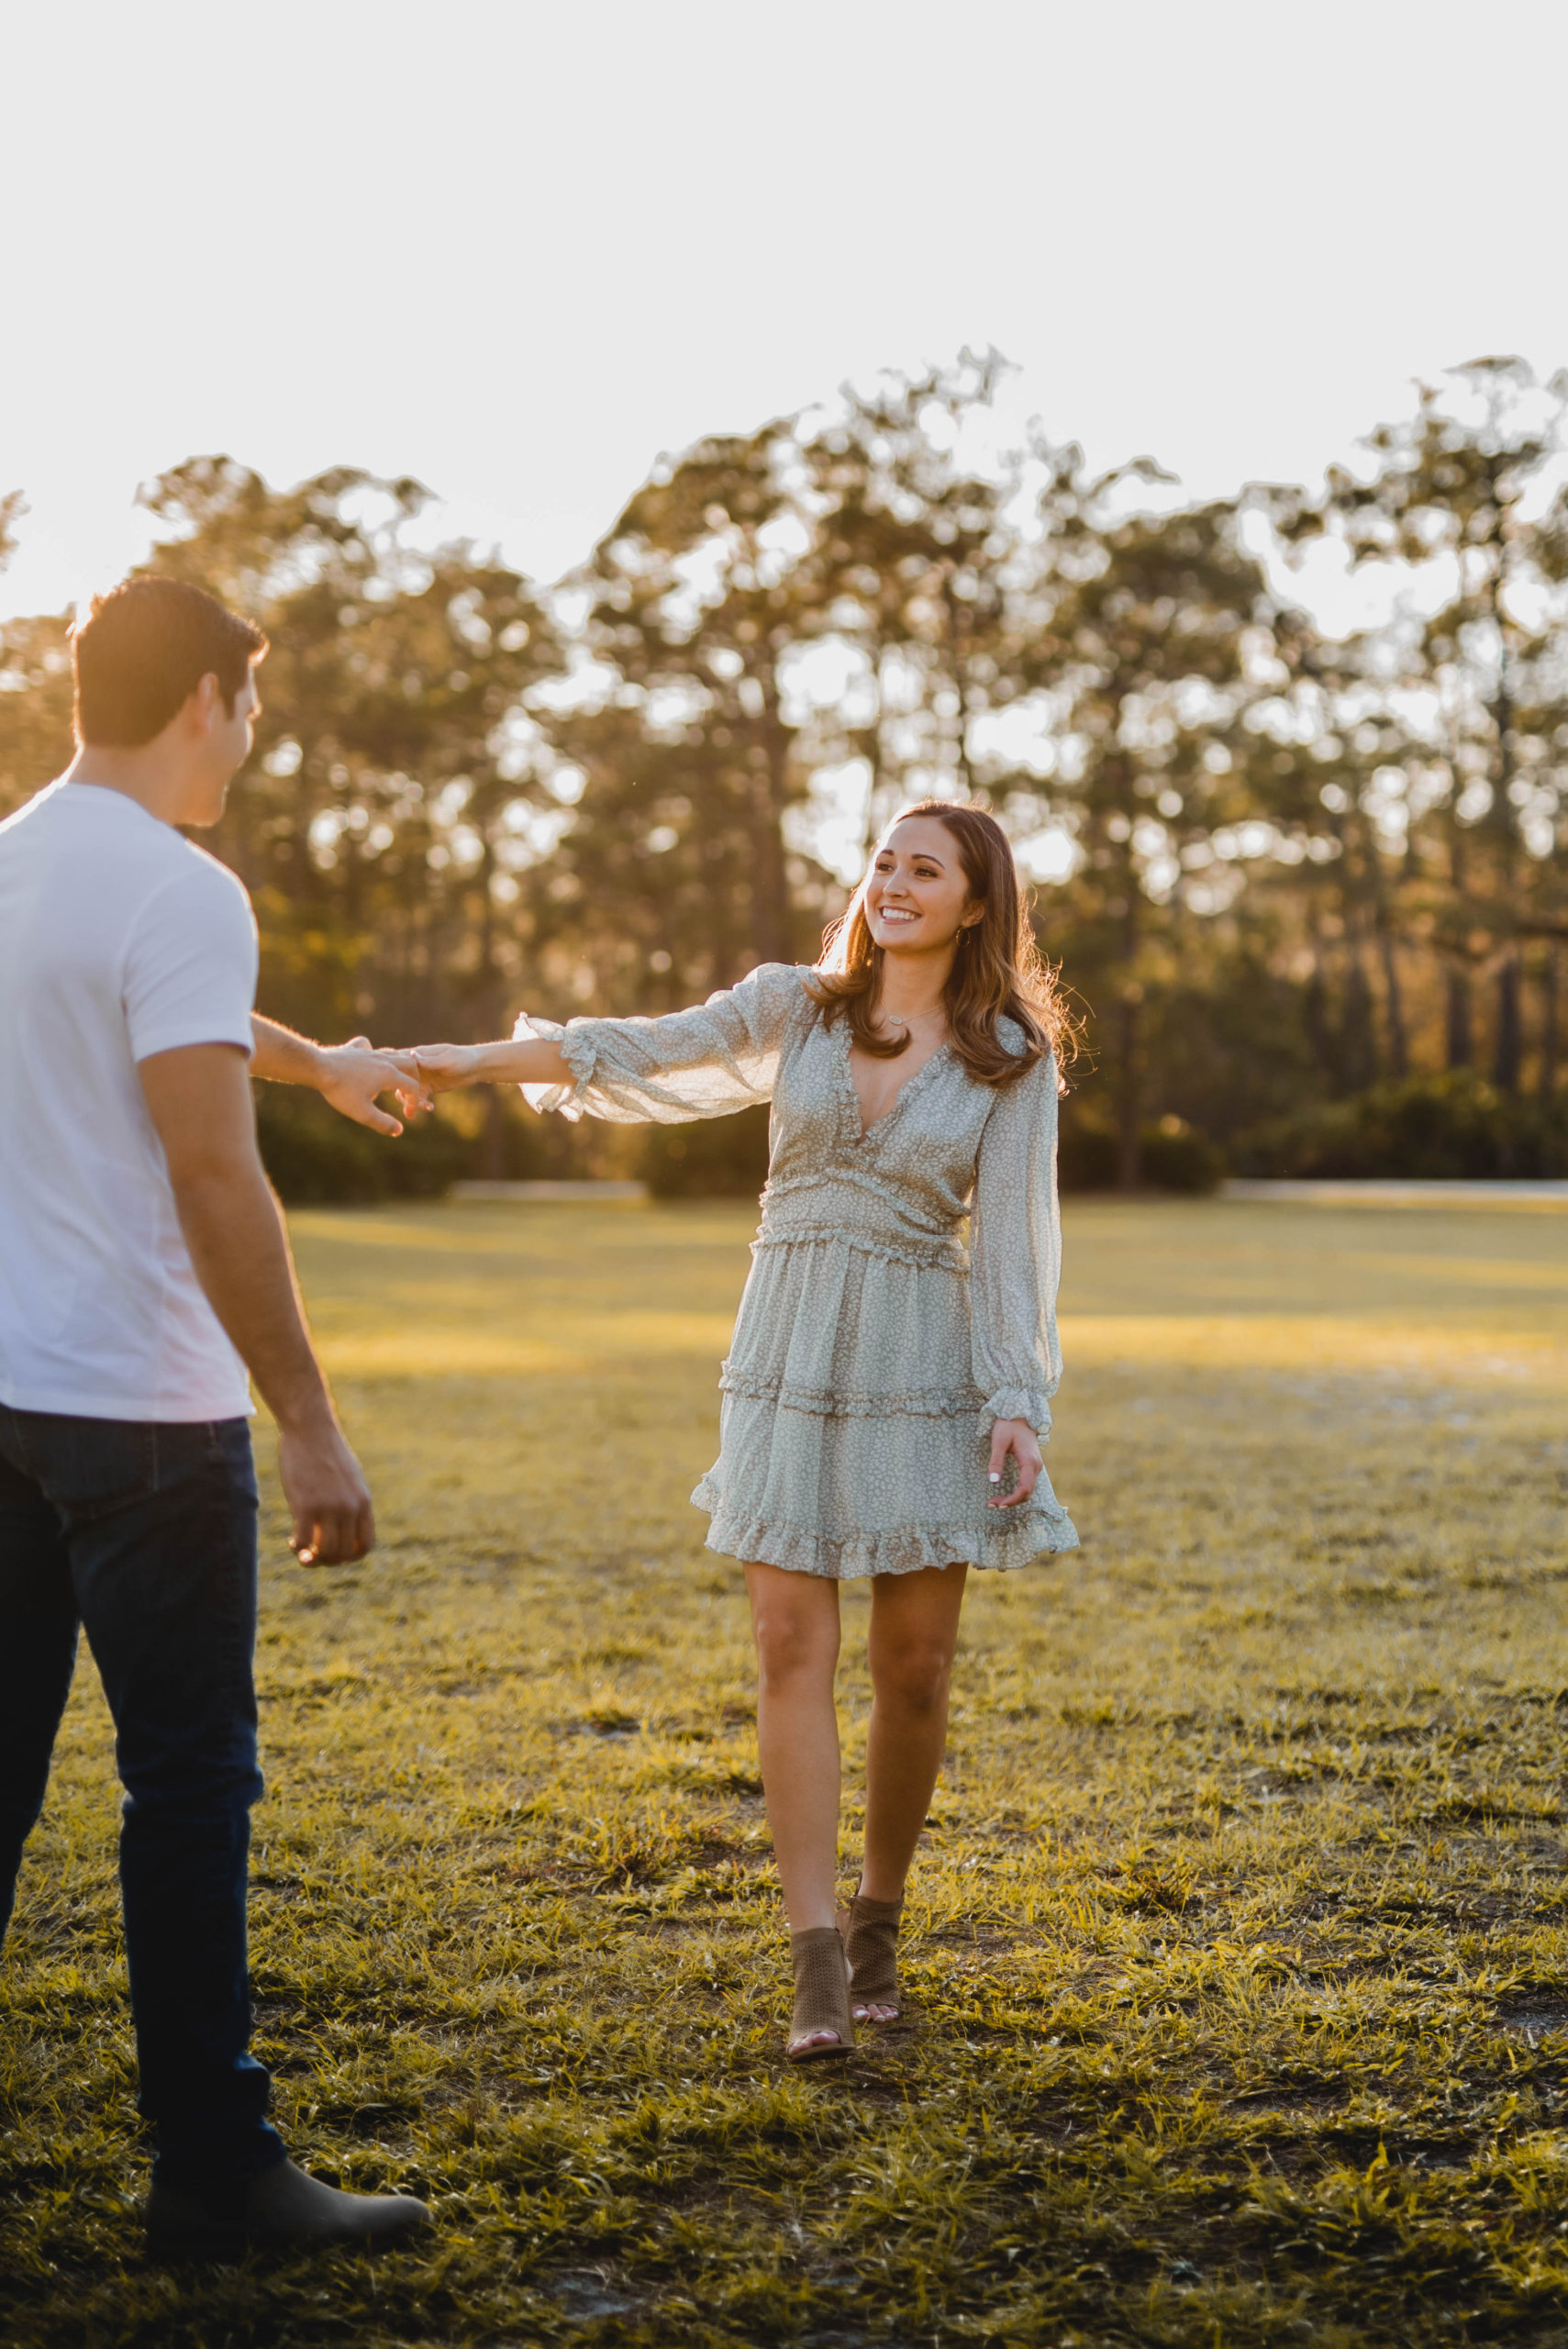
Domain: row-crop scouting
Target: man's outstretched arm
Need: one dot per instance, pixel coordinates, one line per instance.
(350, 1076)
(199, 1097)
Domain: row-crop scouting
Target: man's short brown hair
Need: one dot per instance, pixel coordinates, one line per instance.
(145, 649)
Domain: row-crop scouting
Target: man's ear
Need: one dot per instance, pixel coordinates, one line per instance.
(205, 701)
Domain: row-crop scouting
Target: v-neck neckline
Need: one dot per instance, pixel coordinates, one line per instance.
(851, 1099)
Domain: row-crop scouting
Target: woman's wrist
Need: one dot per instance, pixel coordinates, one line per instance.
(523, 1060)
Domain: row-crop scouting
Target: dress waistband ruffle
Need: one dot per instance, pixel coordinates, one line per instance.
(859, 1214)
(851, 1403)
(947, 1255)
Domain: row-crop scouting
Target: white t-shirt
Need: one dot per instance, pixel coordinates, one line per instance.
(118, 940)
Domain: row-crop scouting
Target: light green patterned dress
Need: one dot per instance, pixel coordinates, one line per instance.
(873, 1352)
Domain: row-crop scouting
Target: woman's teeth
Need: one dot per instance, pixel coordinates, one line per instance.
(897, 913)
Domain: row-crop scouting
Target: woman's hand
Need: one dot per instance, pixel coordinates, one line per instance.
(444, 1068)
(1017, 1437)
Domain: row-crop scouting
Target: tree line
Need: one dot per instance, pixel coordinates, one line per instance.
(1280, 869)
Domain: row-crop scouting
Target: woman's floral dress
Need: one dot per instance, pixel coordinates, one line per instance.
(872, 1351)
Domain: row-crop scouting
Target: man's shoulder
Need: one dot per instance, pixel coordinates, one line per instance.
(217, 881)
(88, 827)
(24, 820)
(193, 902)
(157, 865)
(87, 857)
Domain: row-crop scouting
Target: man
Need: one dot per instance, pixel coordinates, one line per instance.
(143, 1267)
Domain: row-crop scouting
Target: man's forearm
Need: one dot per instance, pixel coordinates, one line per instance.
(281, 1057)
(237, 1245)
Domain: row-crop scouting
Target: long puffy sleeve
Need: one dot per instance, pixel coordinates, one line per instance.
(721, 1055)
(1015, 1252)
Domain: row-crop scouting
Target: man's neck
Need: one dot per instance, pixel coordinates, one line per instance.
(139, 774)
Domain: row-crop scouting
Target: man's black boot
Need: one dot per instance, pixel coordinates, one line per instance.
(283, 2210)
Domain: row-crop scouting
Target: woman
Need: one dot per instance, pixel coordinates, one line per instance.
(886, 1394)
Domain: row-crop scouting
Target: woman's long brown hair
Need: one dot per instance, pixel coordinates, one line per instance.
(997, 974)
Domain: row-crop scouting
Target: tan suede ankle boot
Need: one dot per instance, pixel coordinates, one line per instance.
(871, 1944)
(821, 1996)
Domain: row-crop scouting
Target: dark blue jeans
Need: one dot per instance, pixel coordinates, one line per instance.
(145, 1535)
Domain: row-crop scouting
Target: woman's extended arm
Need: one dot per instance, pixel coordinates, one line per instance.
(717, 1056)
(523, 1060)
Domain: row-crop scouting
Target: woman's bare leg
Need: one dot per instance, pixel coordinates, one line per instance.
(914, 1631)
(795, 1619)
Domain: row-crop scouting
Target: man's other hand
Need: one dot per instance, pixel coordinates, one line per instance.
(328, 1500)
(198, 1097)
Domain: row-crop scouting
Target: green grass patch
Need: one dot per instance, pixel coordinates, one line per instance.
(1238, 1940)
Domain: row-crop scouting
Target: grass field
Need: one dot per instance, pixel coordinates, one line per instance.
(1237, 1943)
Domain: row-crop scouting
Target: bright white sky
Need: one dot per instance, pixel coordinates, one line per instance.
(518, 247)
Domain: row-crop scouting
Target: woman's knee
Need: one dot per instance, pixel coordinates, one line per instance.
(913, 1673)
(793, 1646)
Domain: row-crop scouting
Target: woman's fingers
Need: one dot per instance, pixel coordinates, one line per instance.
(1029, 1475)
(1014, 1437)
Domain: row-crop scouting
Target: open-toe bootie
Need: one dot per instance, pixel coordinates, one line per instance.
(821, 1995)
(871, 1944)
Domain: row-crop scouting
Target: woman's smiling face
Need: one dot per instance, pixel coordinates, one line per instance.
(918, 894)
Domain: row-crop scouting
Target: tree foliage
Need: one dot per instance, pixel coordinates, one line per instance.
(1278, 868)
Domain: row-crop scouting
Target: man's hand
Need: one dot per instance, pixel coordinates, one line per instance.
(353, 1076)
(328, 1496)
(1017, 1437)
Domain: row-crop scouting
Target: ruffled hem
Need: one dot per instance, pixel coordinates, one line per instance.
(839, 1403)
(902, 1549)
